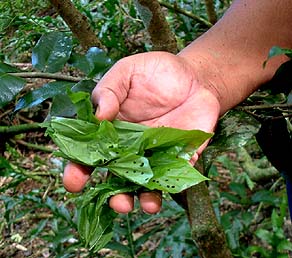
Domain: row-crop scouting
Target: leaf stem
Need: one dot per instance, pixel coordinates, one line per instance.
(130, 237)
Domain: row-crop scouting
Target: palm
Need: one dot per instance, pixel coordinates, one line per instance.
(160, 89)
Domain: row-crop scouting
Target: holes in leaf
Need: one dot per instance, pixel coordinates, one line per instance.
(148, 153)
(142, 164)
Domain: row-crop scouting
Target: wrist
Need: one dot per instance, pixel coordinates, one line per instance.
(211, 77)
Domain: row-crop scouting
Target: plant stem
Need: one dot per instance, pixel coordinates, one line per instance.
(35, 146)
(55, 76)
(22, 128)
(130, 238)
(175, 8)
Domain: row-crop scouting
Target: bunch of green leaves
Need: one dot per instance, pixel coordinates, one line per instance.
(139, 157)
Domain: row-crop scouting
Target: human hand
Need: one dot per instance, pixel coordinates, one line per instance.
(154, 89)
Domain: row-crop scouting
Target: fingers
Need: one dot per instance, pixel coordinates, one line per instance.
(112, 90)
(150, 202)
(75, 177)
(122, 203)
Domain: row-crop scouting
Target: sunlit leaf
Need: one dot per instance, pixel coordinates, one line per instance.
(52, 52)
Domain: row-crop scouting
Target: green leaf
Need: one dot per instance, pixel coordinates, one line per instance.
(167, 137)
(95, 218)
(94, 63)
(284, 245)
(38, 96)
(133, 167)
(83, 105)
(172, 174)
(61, 106)
(264, 235)
(80, 62)
(264, 196)
(84, 142)
(52, 52)
(84, 85)
(98, 61)
(10, 86)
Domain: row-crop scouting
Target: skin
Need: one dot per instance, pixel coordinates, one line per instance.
(192, 89)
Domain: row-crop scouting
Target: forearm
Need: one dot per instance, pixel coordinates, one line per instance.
(235, 48)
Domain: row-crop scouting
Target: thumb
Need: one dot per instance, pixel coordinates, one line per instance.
(112, 90)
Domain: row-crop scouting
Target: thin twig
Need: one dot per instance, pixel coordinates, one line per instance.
(267, 106)
(186, 13)
(6, 113)
(35, 146)
(54, 76)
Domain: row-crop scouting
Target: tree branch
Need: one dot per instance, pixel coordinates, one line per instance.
(206, 230)
(54, 76)
(77, 23)
(186, 13)
(212, 15)
(154, 20)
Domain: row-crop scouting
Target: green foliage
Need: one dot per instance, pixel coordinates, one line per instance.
(24, 22)
(93, 143)
(253, 214)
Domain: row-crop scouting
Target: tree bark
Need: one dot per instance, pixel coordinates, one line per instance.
(154, 20)
(206, 231)
(210, 8)
(78, 23)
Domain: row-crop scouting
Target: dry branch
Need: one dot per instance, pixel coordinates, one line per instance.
(53, 76)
